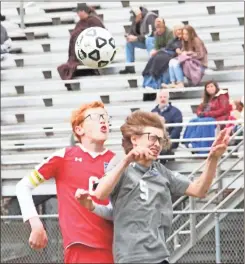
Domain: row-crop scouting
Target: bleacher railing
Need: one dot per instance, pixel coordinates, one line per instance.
(215, 198)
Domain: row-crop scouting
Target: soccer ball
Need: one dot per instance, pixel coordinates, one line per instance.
(95, 47)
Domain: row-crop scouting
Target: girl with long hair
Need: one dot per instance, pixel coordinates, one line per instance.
(193, 49)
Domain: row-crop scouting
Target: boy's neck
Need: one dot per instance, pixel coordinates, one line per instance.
(93, 146)
(145, 163)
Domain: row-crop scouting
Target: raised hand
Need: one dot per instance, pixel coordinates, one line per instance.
(221, 143)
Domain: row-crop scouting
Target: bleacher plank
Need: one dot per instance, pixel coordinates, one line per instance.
(38, 72)
(114, 96)
(56, 57)
(105, 82)
(117, 14)
(116, 28)
(41, 114)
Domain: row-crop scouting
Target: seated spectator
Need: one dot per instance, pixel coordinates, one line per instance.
(237, 109)
(140, 34)
(172, 115)
(237, 114)
(156, 70)
(6, 43)
(162, 35)
(88, 18)
(192, 61)
(215, 106)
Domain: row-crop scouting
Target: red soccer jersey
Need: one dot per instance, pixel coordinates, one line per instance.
(74, 168)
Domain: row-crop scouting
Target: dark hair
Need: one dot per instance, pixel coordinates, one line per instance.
(136, 122)
(206, 95)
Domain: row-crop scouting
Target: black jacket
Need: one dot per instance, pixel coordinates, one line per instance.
(147, 22)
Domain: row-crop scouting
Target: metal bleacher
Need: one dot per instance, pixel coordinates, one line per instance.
(36, 104)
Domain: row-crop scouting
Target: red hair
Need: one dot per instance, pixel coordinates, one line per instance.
(77, 116)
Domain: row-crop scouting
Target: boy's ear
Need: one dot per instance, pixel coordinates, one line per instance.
(133, 140)
(79, 130)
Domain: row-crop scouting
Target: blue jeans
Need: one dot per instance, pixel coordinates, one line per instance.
(175, 71)
(130, 46)
(150, 81)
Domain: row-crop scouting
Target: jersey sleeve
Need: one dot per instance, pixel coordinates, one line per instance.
(44, 171)
(48, 168)
(104, 211)
(178, 183)
(112, 164)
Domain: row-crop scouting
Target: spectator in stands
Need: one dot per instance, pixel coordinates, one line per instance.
(237, 109)
(162, 35)
(215, 103)
(140, 34)
(6, 43)
(156, 70)
(88, 18)
(237, 114)
(215, 106)
(192, 61)
(171, 115)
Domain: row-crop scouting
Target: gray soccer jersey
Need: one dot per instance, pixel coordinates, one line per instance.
(142, 212)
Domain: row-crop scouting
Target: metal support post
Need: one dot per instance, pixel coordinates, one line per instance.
(217, 239)
(193, 220)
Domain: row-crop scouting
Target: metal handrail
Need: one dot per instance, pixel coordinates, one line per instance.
(210, 190)
(181, 199)
(2, 217)
(183, 124)
(204, 162)
(204, 206)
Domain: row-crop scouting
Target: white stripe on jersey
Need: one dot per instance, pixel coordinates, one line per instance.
(58, 153)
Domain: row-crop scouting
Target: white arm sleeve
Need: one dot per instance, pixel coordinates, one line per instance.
(104, 211)
(24, 195)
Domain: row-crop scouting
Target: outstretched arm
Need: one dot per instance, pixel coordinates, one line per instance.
(200, 186)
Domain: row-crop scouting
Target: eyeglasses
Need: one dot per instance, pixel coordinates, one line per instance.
(97, 117)
(153, 138)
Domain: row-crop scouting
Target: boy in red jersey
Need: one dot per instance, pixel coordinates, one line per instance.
(87, 238)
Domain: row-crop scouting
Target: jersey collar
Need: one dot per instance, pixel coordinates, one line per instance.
(91, 153)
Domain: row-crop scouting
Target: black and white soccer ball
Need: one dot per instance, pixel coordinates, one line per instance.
(95, 47)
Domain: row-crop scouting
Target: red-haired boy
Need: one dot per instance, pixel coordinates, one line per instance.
(87, 238)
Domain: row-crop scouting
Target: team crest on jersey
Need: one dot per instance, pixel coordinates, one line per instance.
(105, 166)
(154, 172)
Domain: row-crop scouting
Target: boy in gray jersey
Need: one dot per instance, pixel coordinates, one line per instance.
(140, 190)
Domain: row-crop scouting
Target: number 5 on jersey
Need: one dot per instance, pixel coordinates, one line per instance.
(144, 190)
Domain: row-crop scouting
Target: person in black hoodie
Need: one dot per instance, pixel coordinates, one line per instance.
(140, 34)
(172, 115)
